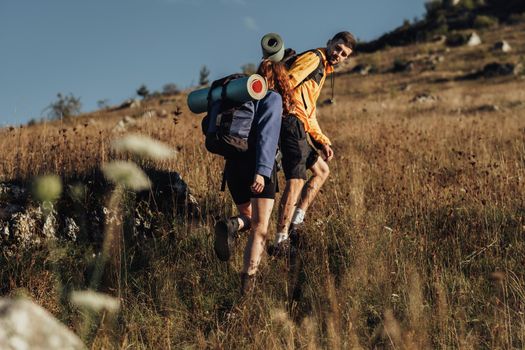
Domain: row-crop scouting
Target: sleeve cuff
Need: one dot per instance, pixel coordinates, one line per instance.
(264, 170)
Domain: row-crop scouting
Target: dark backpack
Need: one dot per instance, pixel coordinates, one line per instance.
(227, 125)
(290, 56)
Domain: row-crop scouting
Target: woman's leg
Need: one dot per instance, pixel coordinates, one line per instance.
(245, 215)
(226, 231)
(261, 212)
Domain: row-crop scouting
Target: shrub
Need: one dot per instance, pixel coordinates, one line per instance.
(484, 22)
(516, 18)
(249, 69)
(432, 7)
(170, 89)
(203, 76)
(64, 107)
(468, 4)
(103, 104)
(143, 91)
(456, 39)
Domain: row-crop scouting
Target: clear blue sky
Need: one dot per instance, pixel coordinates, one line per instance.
(105, 49)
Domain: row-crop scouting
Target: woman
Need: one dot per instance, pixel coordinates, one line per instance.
(252, 179)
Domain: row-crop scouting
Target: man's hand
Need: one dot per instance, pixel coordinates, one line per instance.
(258, 184)
(328, 153)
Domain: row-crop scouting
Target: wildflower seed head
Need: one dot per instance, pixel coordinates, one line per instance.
(47, 188)
(126, 174)
(143, 147)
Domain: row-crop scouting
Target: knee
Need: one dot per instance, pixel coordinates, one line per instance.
(295, 184)
(323, 171)
(260, 230)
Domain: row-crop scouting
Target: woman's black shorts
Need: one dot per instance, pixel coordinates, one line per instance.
(239, 174)
(298, 154)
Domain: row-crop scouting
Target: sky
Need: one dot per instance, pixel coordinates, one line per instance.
(106, 49)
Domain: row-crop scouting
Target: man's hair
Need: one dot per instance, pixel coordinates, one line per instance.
(347, 38)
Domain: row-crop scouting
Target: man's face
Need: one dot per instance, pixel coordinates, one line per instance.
(338, 52)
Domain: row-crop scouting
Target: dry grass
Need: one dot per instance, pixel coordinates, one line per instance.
(415, 242)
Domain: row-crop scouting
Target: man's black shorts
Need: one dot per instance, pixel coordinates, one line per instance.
(239, 174)
(298, 154)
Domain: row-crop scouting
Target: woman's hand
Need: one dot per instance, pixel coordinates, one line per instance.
(258, 184)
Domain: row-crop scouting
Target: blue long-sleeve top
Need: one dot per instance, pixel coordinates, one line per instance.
(267, 124)
(264, 129)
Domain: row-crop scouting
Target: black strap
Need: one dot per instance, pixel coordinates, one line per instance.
(332, 83)
(319, 70)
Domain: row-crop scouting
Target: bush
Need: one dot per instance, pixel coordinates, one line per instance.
(170, 89)
(143, 91)
(468, 4)
(103, 104)
(402, 65)
(432, 7)
(457, 39)
(249, 68)
(484, 22)
(64, 107)
(516, 18)
(204, 75)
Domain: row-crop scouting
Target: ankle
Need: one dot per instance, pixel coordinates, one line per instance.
(281, 237)
(247, 283)
(298, 216)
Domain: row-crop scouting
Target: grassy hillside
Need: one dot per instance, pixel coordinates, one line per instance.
(416, 241)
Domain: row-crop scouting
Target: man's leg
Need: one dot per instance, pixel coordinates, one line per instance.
(294, 148)
(320, 171)
(288, 203)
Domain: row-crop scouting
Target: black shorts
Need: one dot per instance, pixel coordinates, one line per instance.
(298, 154)
(239, 175)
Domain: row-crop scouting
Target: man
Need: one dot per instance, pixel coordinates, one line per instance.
(308, 74)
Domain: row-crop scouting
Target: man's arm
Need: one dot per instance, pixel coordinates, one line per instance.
(303, 66)
(314, 130)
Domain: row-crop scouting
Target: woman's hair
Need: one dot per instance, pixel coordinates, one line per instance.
(276, 75)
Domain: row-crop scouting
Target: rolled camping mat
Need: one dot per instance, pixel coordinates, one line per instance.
(272, 47)
(239, 90)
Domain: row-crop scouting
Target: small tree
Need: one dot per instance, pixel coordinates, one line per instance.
(103, 104)
(170, 89)
(64, 107)
(432, 7)
(203, 76)
(143, 91)
(249, 69)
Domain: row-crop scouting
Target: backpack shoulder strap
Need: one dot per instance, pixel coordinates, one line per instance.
(317, 73)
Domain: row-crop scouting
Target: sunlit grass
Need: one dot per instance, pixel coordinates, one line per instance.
(415, 242)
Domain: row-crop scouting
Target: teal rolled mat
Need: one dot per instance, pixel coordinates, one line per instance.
(239, 90)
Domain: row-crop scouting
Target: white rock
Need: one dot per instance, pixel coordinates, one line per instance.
(502, 46)
(473, 39)
(131, 103)
(424, 98)
(135, 103)
(120, 127)
(26, 325)
(162, 113)
(128, 120)
(148, 114)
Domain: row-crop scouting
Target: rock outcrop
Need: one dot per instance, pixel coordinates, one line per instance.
(25, 325)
